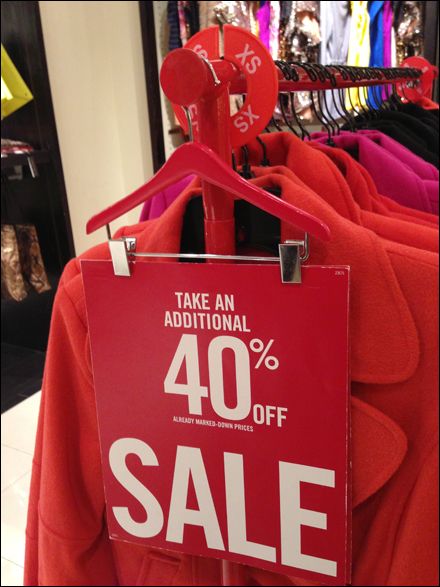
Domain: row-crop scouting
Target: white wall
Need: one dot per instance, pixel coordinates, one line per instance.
(96, 71)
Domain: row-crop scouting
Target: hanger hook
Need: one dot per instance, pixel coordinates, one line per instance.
(246, 170)
(340, 108)
(286, 73)
(294, 75)
(350, 73)
(328, 75)
(190, 124)
(265, 161)
(314, 76)
(346, 115)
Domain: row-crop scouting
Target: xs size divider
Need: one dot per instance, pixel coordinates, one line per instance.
(292, 254)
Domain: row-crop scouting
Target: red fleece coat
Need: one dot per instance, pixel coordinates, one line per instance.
(394, 369)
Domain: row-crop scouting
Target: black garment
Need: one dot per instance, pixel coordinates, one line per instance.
(192, 19)
(174, 40)
(398, 13)
(415, 143)
(253, 227)
(429, 117)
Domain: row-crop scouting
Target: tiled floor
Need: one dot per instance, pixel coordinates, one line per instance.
(18, 429)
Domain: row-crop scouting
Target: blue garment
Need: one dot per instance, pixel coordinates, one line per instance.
(174, 40)
(375, 10)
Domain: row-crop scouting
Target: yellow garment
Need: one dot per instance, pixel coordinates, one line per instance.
(15, 92)
(359, 47)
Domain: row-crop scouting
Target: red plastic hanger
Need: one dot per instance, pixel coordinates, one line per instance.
(198, 159)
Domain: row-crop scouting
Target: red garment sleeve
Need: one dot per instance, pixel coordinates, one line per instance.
(415, 560)
(425, 217)
(66, 536)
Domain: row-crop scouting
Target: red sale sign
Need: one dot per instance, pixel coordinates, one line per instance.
(222, 401)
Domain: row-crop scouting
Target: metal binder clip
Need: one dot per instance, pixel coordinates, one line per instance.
(292, 255)
(119, 249)
(32, 167)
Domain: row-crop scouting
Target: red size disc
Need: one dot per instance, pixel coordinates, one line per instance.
(251, 57)
(412, 92)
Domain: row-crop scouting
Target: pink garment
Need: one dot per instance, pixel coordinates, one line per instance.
(423, 169)
(387, 26)
(393, 173)
(154, 207)
(263, 16)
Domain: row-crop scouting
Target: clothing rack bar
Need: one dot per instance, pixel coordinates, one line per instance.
(313, 77)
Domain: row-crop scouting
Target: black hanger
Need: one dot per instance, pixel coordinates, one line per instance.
(345, 115)
(353, 78)
(377, 91)
(383, 90)
(362, 74)
(389, 103)
(295, 77)
(246, 170)
(368, 93)
(234, 162)
(327, 74)
(314, 76)
(264, 161)
(282, 98)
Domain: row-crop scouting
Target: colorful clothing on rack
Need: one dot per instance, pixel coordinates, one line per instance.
(174, 40)
(263, 17)
(412, 126)
(387, 29)
(335, 32)
(388, 48)
(285, 12)
(235, 13)
(408, 24)
(420, 167)
(335, 35)
(303, 32)
(207, 14)
(375, 11)
(253, 20)
(274, 40)
(359, 47)
(399, 182)
(303, 38)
